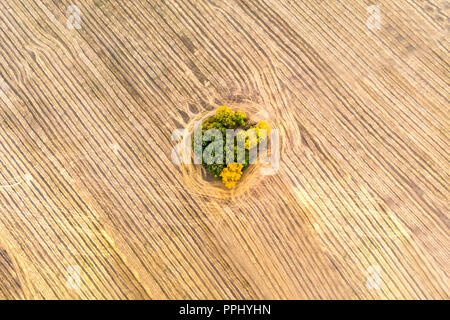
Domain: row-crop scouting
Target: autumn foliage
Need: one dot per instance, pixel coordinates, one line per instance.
(249, 134)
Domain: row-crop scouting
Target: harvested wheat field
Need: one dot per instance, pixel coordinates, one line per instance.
(93, 206)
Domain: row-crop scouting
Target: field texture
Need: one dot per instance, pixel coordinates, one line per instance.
(91, 205)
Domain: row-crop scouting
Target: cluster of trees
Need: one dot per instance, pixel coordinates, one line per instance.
(227, 144)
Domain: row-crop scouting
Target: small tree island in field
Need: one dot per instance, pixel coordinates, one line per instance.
(228, 144)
